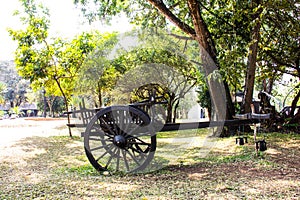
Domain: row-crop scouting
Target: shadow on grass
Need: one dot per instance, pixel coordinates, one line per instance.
(58, 169)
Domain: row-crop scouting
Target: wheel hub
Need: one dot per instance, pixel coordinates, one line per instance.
(120, 141)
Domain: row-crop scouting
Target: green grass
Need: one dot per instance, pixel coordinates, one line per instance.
(183, 133)
(84, 170)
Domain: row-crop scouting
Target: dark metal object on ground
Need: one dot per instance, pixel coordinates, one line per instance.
(261, 145)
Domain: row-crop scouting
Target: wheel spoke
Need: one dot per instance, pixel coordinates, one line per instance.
(101, 140)
(125, 159)
(118, 159)
(107, 126)
(106, 152)
(99, 132)
(114, 123)
(141, 142)
(130, 122)
(121, 122)
(111, 157)
(97, 128)
(100, 147)
(138, 149)
(135, 128)
(133, 157)
(140, 134)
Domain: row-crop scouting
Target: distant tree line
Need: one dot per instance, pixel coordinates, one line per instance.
(241, 46)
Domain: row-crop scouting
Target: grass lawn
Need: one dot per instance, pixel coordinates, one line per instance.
(56, 168)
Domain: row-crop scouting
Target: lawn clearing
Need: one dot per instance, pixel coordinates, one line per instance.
(56, 168)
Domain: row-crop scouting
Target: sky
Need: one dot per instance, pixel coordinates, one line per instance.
(65, 22)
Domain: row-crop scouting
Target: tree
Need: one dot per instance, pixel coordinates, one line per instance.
(157, 66)
(187, 16)
(16, 90)
(243, 29)
(45, 61)
(204, 99)
(229, 31)
(252, 57)
(15, 87)
(97, 76)
(280, 52)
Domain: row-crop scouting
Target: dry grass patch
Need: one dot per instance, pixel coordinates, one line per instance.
(56, 168)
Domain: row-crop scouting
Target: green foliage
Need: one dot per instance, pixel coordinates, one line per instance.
(104, 9)
(2, 89)
(157, 63)
(15, 110)
(97, 76)
(2, 113)
(30, 61)
(16, 90)
(230, 24)
(49, 63)
(204, 97)
(279, 46)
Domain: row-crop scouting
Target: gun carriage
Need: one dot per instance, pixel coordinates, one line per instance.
(123, 137)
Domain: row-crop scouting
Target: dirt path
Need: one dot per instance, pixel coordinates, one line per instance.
(13, 130)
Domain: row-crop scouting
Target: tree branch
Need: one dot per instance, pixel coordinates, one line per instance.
(279, 61)
(158, 4)
(203, 35)
(180, 37)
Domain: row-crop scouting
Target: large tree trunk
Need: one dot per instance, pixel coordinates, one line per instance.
(219, 91)
(252, 58)
(250, 77)
(50, 108)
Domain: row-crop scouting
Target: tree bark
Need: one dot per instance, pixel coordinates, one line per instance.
(170, 108)
(250, 77)
(175, 111)
(99, 95)
(269, 86)
(252, 58)
(294, 104)
(66, 105)
(50, 108)
(159, 5)
(220, 96)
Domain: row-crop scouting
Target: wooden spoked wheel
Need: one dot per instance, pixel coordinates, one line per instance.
(120, 138)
